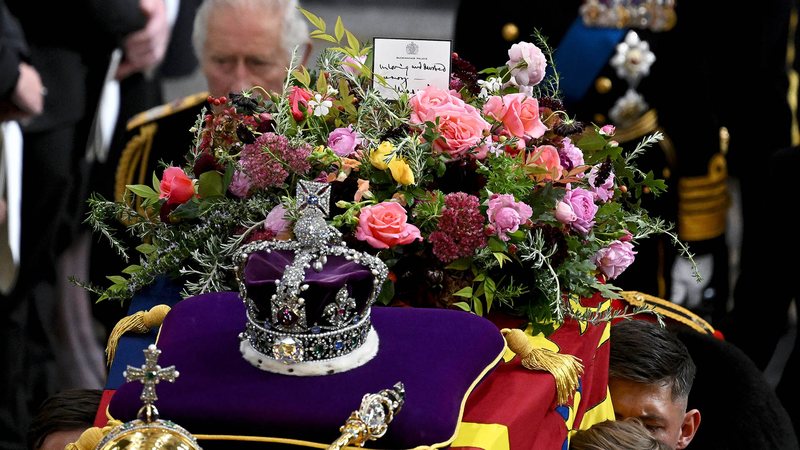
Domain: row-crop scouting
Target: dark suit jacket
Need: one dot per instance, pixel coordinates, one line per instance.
(72, 55)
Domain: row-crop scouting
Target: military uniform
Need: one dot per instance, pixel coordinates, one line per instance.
(689, 93)
(161, 134)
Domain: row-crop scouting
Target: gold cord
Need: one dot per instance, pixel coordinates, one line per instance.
(140, 322)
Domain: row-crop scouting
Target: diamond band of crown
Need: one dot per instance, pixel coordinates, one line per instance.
(654, 15)
(308, 317)
(297, 347)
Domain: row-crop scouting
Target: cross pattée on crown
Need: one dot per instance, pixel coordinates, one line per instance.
(150, 374)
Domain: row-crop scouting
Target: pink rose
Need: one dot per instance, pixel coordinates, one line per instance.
(461, 128)
(546, 157)
(299, 96)
(176, 186)
(506, 215)
(354, 65)
(527, 63)
(519, 114)
(240, 184)
(385, 225)
(614, 259)
(608, 130)
(277, 224)
(605, 191)
(565, 214)
(343, 141)
(426, 102)
(581, 202)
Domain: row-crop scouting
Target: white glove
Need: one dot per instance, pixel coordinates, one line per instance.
(686, 290)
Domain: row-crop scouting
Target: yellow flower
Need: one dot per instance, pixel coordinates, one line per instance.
(379, 156)
(401, 171)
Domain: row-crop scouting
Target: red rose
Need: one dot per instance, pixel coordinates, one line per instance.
(176, 186)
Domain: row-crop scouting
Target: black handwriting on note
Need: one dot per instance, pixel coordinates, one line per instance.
(401, 84)
(435, 67)
(400, 67)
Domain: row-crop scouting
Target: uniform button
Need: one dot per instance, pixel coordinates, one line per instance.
(599, 119)
(602, 85)
(510, 32)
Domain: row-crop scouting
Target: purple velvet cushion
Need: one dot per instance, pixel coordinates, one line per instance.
(438, 354)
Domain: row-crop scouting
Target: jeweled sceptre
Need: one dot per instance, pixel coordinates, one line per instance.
(372, 418)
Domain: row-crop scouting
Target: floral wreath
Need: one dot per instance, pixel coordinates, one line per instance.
(485, 196)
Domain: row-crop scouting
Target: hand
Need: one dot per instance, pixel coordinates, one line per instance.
(27, 100)
(145, 49)
(686, 290)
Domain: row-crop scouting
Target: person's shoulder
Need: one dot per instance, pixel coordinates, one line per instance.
(189, 105)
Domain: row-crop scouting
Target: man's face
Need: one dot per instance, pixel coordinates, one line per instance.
(243, 49)
(667, 419)
(57, 440)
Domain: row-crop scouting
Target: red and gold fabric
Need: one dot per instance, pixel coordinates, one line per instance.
(516, 408)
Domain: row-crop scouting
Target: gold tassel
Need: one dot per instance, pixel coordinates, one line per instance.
(566, 369)
(89, 439)
(140, 322)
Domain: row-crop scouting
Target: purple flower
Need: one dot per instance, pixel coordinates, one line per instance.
(580, 203)
(614, 259)
(506, 215)
(605, 191)
(571, 155)
(269, 160)
(240, 184)
(343, 141)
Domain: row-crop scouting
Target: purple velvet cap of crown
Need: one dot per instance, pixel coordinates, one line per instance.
(264, 269)
(438, 355)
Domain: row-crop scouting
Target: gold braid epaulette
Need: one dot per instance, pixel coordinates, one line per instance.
(132, 166)
(703, 202)
(644, 125)
(166, 109)
(668, 309)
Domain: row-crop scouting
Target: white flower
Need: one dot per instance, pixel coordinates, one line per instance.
(633, 59)
(489, 87)
(321, 107)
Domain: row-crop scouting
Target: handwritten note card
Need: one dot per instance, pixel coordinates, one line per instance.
(408, 65)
